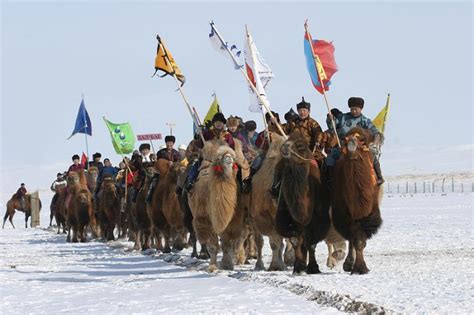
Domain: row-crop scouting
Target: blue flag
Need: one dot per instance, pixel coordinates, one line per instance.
(83, 121)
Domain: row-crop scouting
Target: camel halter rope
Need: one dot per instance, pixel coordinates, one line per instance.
(299, 156)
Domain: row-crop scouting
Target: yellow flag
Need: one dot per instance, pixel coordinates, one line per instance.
(213, 109)
(164, 61)
(381, 118)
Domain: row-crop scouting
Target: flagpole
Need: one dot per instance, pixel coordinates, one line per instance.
(267, 108)
(85, 134)
(161, 42)
(386, 113)
(321, 81)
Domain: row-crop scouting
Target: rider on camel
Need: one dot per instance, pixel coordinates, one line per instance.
(20, 195)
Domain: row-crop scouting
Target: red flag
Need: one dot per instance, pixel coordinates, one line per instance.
(84, 160)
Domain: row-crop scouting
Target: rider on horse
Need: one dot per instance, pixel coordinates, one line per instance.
(20, 195)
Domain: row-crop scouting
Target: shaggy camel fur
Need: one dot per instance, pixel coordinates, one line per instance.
(303, 207)
(140, 214)
(356, 198)
(91, 176)
(263, 208)
(79, 207)
(216, 203)
(188, 216)
(109, 208)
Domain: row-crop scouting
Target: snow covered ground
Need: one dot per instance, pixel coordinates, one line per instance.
(421, 261)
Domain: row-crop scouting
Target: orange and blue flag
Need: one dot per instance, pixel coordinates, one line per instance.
(320, 62)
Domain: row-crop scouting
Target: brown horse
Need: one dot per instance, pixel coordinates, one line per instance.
(57, 207)
(14, 204)
(109, 208)
(79, 206)
(303, 206)
(355, 199)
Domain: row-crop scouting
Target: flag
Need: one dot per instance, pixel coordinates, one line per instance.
(213, 109)
(162, 64)
(380, 119)
(122, 136)
(84, 160)
(221, 46)
(83, 121)
(258, 72)
(319, 61)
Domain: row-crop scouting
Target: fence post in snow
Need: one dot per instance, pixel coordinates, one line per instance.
(442, 185)
(424, 187)
(433, 188)
(462, 187)
(398, 188)
(416, 191)
(406, 187)
(452, 184)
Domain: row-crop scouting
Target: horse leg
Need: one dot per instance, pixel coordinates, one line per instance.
(213, 249)
(259, 243)
(349, 262)
(276, 243)
(300, 254)
(359, 265)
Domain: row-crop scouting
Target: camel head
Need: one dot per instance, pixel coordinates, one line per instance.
(108, 184)
(150, 171)
(296, 149)
(357, 140)
(224, 163)
(92, 173)
(72, 178)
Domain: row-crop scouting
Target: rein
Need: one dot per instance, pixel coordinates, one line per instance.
(299, 156)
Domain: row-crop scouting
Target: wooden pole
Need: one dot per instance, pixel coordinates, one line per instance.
(254, 89)
(181, 89)
(315, 57)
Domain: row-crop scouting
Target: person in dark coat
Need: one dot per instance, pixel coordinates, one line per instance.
(20, 195)
(96, 161)
(76, 164)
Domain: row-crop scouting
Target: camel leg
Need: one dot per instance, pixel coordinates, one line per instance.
(289, 255)
(213, 249)
(300, 254)
(313, 267)
(227, 262)
(259, 243)
(192, 238)
(349, 262)
(339, 250)
(26, 220)
(74, 234)
(252, 246)
(239, 251)
(276, 243)
(145, 240)
(359, 265)
(137, 241)
(204, 253)
(331, 261)
(7, 214)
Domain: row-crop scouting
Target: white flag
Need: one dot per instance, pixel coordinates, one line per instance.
(220, 46)
(259, 73)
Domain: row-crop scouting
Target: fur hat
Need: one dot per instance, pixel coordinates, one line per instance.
(356, 102)
(170, 138)
(75, 157)
(96, 155)
(335, 112)
(144, 146)
(250, 125)
(232, 121)
(291, 115)
(303, 104)
(22, 184)
(219, 117)
(268, 118)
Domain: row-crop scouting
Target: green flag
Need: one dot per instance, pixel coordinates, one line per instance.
(122, 136)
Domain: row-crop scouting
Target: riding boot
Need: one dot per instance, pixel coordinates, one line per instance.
(151, 189)
(329, 177)
(135, 195)
(378, 172)
(247, 182)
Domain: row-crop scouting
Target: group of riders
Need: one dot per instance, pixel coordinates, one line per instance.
(323, 144)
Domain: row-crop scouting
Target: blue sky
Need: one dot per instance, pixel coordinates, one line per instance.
(53, 52)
